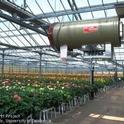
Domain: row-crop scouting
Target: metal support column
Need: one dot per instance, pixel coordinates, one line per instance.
(28, 67)
(18, 68)
(116, 73)
(12, 67)
(2, 68)
(92, 78)
(66, 68)
(40, 65)
(112, 51)
(123, 72)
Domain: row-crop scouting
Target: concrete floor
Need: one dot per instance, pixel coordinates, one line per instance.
(106, 108)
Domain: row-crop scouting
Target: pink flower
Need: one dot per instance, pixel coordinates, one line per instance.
(17, 98)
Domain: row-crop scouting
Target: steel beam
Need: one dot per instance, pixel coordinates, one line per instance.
(117, 64)
(21, 23)
(69, 12)
(32, 47)
(17, 35)
(14, 47)
(19, 56)
(17, 10)
(119, 59)
(72, 8)
(26, 49)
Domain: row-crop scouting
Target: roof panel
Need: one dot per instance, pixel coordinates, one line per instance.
(111, 13)
(95, 2)
(81, 3)
(15, 35)
(86, 16)
(109, 1)
(99, 14)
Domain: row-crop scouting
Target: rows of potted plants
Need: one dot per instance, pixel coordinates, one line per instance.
(73, 76)
(30, 96)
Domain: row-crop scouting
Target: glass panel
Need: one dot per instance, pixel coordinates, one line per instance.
(82, 3)
(86, 15)
(95, 2)
(111, 12)
(109, 1)
(99, 14)
(120, 0)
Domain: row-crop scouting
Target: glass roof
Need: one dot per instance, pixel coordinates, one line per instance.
(20, 42)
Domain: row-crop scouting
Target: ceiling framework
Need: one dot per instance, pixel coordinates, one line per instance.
(74, 12)
(23, 29)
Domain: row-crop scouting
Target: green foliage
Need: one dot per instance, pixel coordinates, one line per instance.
(24, 98)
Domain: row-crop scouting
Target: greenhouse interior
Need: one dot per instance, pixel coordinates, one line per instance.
(59, 59)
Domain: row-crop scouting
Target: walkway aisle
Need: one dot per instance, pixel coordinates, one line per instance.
(105, 109)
